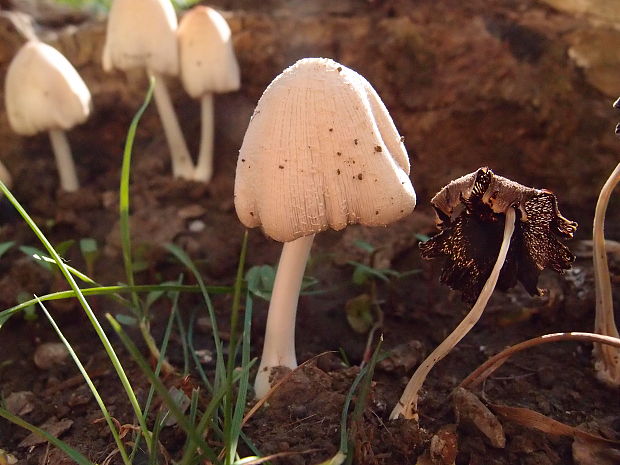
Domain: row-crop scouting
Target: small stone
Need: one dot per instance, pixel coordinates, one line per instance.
(49, 354)
(196, 226)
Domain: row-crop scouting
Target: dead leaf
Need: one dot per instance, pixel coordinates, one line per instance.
(20, 403)
(587, 452)
(468, 408)
(52, 426)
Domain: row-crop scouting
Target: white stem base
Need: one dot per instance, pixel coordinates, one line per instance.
(204, 166)
(64, 160)
(279, 345)
(606, 358)
(182, 165)
(408, 404)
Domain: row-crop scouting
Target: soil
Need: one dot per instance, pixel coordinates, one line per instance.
(303, 415)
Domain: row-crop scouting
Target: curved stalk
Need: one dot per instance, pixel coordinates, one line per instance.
(606, 358)
(204, 165)
(182, 165)
(408, 404)
(64, 160)
(279, 345)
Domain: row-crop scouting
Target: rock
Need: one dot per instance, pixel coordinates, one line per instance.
(49, 354)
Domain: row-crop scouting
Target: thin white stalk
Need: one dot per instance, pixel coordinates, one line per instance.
(64, 160)
(279, 345)
(182, 165)
(606, 358)
(204, 166)
(407, 406)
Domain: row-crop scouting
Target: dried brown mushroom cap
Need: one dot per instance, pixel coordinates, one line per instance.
(321, 151)
(470, 211)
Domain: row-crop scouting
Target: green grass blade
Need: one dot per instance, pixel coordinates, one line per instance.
(124, 193)
(89, 312)
(91, 386)
(71, 452)
(182, 420)
(111, 290)
(220, 367)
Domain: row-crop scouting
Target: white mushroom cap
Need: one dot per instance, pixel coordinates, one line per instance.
(142, 34)
(208, 63)
(321, 151)
(43, 91)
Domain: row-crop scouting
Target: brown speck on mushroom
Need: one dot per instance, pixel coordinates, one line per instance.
(376, 212)
(339, 154)
(339, 68)
(360, 176)
(331, 129)
(338, 171)
(378, 148)
(402, 138)
(281, 167)
(355, 141)
(251, 213)
(243, 160)
(468, 242)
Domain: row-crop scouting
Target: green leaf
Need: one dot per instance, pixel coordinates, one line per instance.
(37, 255)
(359, 313)
(127, 320)
(4, 246)
(63, 247)
(365, 246)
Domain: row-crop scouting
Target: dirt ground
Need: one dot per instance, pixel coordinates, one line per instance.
(303, 416)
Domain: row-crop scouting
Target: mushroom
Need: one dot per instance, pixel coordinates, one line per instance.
(208, 66)
(142, 34)
(478, 214)
(321, 151)
(606, 358)
(44, 92)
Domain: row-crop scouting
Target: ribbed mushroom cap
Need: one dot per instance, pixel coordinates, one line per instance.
(208, 63)
(321, 151)
(43, 91)
(142, 34)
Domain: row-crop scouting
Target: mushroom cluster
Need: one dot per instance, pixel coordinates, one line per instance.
(321, 152)
(145, 34)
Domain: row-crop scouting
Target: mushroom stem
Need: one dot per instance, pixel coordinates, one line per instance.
(182, 165)
(64, 160)
(204, 166)
(606, 358)
(279, 345)
(408, 404)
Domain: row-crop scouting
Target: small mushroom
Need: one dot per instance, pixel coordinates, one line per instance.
(142, 34)
(308, 163)
(606, 358)
(44, 92)
(478, 214)
(208, 66)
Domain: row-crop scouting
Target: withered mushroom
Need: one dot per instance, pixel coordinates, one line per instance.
(44, 92)
(478, 214)
(321, 152)
(606, 358)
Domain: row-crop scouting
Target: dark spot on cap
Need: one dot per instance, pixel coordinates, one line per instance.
(355, 141)
(339, 68)
(339, 153)
(402, 138)
(378, 148)
(331, 129)
(243, 160)
(376, 212)
(251, 213)
(281, 167)
(338, 171)
(360, 176)
(402, 211)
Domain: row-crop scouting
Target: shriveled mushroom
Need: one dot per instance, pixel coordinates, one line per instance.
(208, 66)
(606, 358)
(142, 34)
(478, 214)
(321, 152)
(44, 92)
